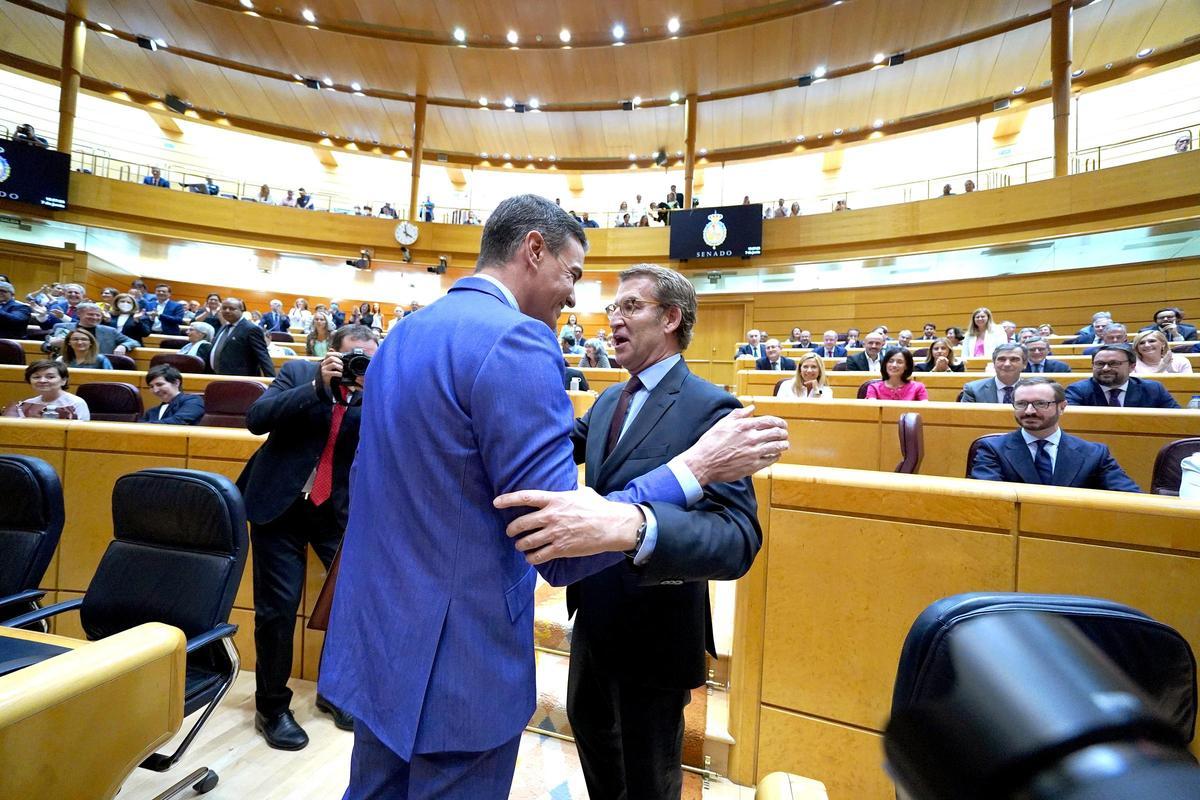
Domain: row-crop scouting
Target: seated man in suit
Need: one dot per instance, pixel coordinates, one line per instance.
(1007, 360)
(752, 346)
(1112, 385)
(239, 348)
(177, 408)
(929, 332)
(570, 374)
(109, 339)
(1041, 453)
(14, 315)
(774, 359)
(1169, 321)
(1039, 351)
(868, 359)
(167, 314)
(275, 319)
(1114, 333)
(1092, 334)
(155, 178)
(829, 347)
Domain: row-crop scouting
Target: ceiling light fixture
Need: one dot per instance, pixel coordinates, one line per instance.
(146, 43)
(1019, 90)
(1077, 73)
(879, 58)
(837, 131)
(512, 37)
(508, 102)
(328, 81)
(104, 26)
(564, 36)
(632, 157)
(673, 25)
(703, 151)
(552, 158)
(308, 15)
(297, 76)
(355, 87)
(637, 100)
(534, 104)
(483, 102)
(507, 157)
(674, 97)
(460, 35)
(483, 155)
(618, 31)
(877, 124)
(801, 138)
(819, 72)
(1145, 51)
(247, 3)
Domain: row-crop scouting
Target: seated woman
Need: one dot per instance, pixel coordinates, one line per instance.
(809, 383)
(1046, 329)
(177, 408)
(594, 355)
(49, 379)
(1155, 356)
(793, 337)
(128, 319)
(200, 336)
(941, 358)
(896, 367)
(317, 343)
(80, 350)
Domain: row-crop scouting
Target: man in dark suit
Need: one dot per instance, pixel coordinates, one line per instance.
(275, 320)
(868, 359)
(753, 346)
(65, 309)
(1169, 321)
(239, 347)
(1094, 333)
(1112, 385)
(1114, 333)
(14, 315)
(1041, 453)
(1039, 361)
(774, 359)
(177, 408)
(642, 625)
(829, 347)
(338, 316)
(297, 490)
(167, 314)
(1008, 360)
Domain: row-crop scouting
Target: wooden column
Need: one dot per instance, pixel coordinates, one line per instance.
(689, 156)
(418, 151)
(1060, 81)
(74, 37)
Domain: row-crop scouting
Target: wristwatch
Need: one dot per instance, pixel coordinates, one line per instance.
(641, 537)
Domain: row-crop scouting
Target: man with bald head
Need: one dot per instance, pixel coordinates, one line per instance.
(239, 347)
(829, 347)
(868, 359)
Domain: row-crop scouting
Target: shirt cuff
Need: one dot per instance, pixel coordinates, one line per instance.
(644, 552)
(692, 490)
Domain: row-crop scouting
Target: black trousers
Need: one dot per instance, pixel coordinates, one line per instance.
(629, 737)
(280, 549)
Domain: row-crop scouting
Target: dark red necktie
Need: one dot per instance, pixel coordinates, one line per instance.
(618, 420)
(323, 482)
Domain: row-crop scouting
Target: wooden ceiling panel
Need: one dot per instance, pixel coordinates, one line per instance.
(1123, 31)
(1173, 22)
(1020, 53)
(931, 76)
(973, 66)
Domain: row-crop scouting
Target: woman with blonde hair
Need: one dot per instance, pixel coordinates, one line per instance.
(1155, 356)
(809, 382)
(317, 343)
(983, 335)
(300, 317)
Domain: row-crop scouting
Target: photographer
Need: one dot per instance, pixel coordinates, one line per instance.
(296, 489)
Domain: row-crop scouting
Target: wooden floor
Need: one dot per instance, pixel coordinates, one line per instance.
(546, 768)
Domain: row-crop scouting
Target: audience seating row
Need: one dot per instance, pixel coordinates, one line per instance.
(850, 559)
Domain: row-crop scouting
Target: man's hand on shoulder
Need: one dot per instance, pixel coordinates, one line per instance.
(738, 445)
(570, 524)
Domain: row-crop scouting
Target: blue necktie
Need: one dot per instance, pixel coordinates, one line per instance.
(1114, 398)
(1008, 393)
(1045, 469)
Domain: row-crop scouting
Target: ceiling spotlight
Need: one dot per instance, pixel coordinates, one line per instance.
(162, 45)
(837, 131)
(674, 97)
(1109, 65)
(483, 102)
(703, 151)
(534, 104)
(355, 87)
(819, 72)
(507, 157)
(673, 25)
(679, 152)
(104, 26)
(878, 59)
(247, 3)
(512, 37)
(552, 158)
(328, 81)
(297, 76)
(460, 35)
(483, 155)
(618, 31)
(508, 102)
(564, 36)
(877, 124)
(1019, 90)
(1077, 73)
(637, 100)
(801, 138)
(308, 15)
(1145, 51)
(632, 157)
(528, 157)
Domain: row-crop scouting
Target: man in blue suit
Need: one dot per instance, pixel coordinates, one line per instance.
(1112, 385)
(275, 320)
(829, 347)
(1039, 360)
(752, 346)
(1041, 453)
(430, 641)
(167, 314)
(14, 315)
(774, 358)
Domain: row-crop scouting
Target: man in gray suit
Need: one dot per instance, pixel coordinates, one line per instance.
(108, 338)
(1008, 360)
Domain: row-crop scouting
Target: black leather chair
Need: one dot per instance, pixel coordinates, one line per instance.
(178, 569)
(112, 402)
(181, 362)
(227, 402)
(912, 443)
(281, 337)
(11, 352)
(841, 366)
(974, 448)
(31, 522)
(122, 362)
(1167, 473)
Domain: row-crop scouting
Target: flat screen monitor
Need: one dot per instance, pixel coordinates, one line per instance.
(34, 175)
(724, 232)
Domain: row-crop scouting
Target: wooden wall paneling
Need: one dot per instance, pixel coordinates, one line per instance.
(848, 759)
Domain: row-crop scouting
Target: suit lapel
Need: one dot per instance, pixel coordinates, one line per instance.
(1069, 460)
(598, 424)
(661, 399)
(1018, 456)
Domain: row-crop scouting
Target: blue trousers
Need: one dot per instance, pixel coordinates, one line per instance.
(378, 773)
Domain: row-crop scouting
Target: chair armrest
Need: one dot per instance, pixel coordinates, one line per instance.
(29, 595)
(222, 631)
(43, 613)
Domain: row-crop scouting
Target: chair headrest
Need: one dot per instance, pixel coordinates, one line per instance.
(32, 493)
(179, 508)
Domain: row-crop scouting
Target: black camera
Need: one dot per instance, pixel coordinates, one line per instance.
(354, 366)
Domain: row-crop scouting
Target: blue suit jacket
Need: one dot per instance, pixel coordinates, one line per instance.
(171, 317)
(839, 351)
(430, 639)
(272, 321)
(1141, 393)
(1051, 365)
(1080, 463)
(14, 319)
(185, 409)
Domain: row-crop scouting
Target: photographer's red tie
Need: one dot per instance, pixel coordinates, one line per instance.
(323, 481)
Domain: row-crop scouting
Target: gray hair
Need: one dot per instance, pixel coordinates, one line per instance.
(89, 307)
(1115, 326)
(595, 344)
(1009, 346)
(66, 286)
(205, 329)
(5, 286)
(515, 218)
(1101, 315)
(1060, 393)
(1035, 340)
(673, 291)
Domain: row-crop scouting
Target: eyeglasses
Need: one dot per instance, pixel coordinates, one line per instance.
(628, 307)
(1040, 405)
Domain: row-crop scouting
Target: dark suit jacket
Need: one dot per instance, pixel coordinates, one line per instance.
(136, 328)
(1140, 393)
(297, 417)
(1050, 365)
(651, 623)
(1084, 336)
(925, 366)
(211, 319)
(339, 318)
(1080, 463)
(14, 320)
(839, 351)
(858, 363)
(750, 350)
(275, 322)
(571, 372)
(185, 409)
(785, 364)
(1188, 332)
(245, 352)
